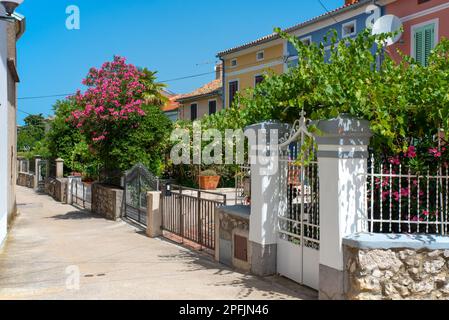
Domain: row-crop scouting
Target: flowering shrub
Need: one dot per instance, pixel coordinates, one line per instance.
(113, 99)
(115, 120)
(412, 189)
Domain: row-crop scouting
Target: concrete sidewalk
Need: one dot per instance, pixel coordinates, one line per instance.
(49, 242)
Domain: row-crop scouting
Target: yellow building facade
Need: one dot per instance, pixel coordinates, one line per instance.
(246, 67)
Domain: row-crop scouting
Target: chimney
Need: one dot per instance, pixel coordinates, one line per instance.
(348, 2)
(218, 71)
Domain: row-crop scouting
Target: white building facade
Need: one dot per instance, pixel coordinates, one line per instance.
(10, 32)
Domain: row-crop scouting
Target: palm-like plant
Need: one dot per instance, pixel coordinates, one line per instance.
(154, 90)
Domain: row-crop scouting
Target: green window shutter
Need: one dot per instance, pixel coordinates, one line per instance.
(424, 43)
(429, 43)
(419, 49)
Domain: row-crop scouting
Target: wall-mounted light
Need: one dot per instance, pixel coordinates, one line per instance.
(10, 6)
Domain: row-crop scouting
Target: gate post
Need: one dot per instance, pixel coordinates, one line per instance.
(154, 214)
(342, 165)
(265, 194)
(59, 168)
(37, 171)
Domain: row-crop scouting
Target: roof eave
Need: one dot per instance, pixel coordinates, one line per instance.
(296, 27)
(21, 23)
(199, 96)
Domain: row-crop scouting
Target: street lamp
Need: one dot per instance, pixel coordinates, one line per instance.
(10, 6)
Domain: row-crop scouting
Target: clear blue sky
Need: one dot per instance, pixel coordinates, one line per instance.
(175, 37)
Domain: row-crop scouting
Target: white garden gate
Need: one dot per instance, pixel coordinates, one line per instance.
(298, 221)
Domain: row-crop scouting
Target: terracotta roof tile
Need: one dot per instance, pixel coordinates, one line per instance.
(214, 86)
(172, 103)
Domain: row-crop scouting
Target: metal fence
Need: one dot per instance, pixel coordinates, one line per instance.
(301, 222)
(242, 179)
(81, 194)
(23, 166)
(138, 181)
(399, 200)
(190, 213)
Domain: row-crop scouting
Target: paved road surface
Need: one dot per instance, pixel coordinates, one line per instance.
(50, 241)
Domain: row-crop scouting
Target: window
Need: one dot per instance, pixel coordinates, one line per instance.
(233, 88)
(260, 55)
(349, 29)
(212, 107)
(193, 111)
(307, 41)
(233, 63)
(422, 1)
(423, 43)
(258, 79)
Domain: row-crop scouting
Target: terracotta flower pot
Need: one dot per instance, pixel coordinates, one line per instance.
(209, 182)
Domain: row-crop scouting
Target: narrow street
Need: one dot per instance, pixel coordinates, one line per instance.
(116, 261)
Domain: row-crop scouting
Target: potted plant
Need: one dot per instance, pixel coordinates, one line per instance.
(209, 180)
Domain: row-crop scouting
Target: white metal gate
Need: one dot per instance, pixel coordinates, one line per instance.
(298, 221)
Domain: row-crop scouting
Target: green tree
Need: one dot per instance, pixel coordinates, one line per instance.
(31, 133)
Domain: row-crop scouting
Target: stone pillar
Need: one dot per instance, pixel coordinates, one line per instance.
(265, 194)
(154, 214)
(37, 171)
(342, 160)
(59, 168)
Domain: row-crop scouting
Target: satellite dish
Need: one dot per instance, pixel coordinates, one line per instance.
(388, 24)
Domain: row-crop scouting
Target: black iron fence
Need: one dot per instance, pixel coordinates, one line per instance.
(81, 194)
(189, 213)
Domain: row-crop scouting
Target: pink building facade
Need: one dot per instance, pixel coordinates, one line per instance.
(425, 23)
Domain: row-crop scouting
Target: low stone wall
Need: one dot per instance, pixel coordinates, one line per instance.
(107, 201)
(25, 180)
(230, 222)
(396, 267)
(57, 188)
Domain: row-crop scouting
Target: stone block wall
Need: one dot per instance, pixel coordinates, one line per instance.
(229, 222)
(57, 188)
(396, 273)
(107, 201)
(25, 180)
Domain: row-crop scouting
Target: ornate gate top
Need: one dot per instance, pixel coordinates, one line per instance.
(298, 129)
(140, 170)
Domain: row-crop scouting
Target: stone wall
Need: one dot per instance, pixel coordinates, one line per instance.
(57, 188)
(414, 273)
(107, 201)
(231, 221)
(25, 180)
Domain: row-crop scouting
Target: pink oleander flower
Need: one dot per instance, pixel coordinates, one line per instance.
(113, 96)
(411, 153)
(394, 161)
(435, 152)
